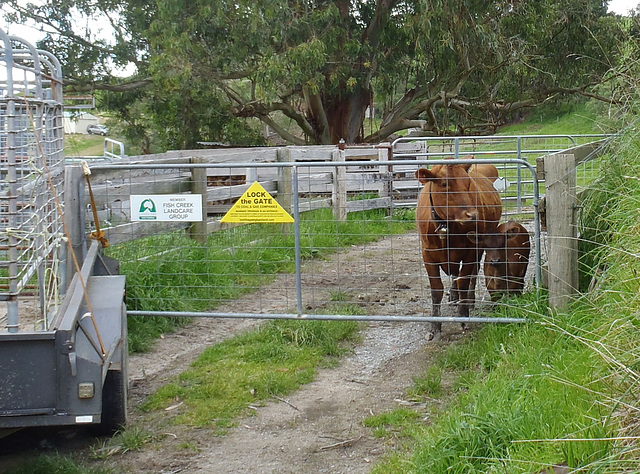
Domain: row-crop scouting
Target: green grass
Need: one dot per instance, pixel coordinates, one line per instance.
(251, 368)
(571, 119)
(399, 423)
(54, 464)
(83, 145)
(517, 387)
(133, 438)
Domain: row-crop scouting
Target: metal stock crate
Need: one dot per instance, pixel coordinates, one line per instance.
(63, 351)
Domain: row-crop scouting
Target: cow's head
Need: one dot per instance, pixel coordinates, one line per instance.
(450, 191)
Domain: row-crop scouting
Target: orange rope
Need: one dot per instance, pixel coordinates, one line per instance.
(66, 232)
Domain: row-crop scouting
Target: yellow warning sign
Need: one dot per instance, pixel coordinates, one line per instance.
(257, 206)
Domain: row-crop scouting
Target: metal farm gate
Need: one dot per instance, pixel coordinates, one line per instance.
(351, 246)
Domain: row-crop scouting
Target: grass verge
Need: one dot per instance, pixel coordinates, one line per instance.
(521, 398)
(250, 368)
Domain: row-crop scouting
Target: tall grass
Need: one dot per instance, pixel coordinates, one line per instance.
(562, 389)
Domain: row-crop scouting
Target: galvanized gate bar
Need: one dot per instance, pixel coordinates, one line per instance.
(301, 164)
(326, 317)
(486, 139)
(298, 251)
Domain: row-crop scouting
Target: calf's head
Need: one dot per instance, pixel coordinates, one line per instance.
(508, 243)
(496, 248)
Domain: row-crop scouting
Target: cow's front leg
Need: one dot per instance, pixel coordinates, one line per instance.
(466, 288)
(437, 290)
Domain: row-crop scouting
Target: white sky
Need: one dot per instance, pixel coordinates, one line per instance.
(622, 7)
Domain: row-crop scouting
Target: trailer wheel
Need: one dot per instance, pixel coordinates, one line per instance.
(114, 402)
(115, 391)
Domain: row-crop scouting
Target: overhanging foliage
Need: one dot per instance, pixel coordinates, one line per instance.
(310, 69)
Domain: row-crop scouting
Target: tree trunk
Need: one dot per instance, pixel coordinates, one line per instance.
(345, 116)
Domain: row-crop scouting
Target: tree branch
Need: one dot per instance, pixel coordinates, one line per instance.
(281, 131)
(126, 86)
(317, 112)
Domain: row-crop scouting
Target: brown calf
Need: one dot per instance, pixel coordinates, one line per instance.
(506, 259)
(453, 203)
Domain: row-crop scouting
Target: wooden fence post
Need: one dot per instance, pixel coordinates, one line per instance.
(285, 180)
(386, 172)
(339, 193)
(560, 185)
(285, 185)
(74, 219)
(198, 230)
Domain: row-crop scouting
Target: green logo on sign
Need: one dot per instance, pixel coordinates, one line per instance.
(147, 210)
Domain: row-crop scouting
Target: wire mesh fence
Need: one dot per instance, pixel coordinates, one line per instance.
(350, 244)
(515, 185)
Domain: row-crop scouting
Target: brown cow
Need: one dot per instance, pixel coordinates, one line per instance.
(506, 259)
(455, 200)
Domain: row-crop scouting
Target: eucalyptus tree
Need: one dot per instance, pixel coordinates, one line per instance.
(444, 66)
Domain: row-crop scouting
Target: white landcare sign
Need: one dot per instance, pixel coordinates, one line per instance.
(166, 207)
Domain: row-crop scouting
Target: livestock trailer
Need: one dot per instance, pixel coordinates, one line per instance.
(63, 331)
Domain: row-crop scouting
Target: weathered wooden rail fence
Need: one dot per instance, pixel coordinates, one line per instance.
(224, 177)
(223, 181)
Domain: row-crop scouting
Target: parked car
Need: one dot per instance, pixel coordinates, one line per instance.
(97, 130)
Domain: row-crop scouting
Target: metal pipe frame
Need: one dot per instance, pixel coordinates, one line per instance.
(298, 260)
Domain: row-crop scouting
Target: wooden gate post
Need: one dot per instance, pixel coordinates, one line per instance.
(285, 185)
(339, 194)
(74, 220)
(198, 230)
(560, 185)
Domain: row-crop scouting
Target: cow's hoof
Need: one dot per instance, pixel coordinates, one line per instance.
(434, 336)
